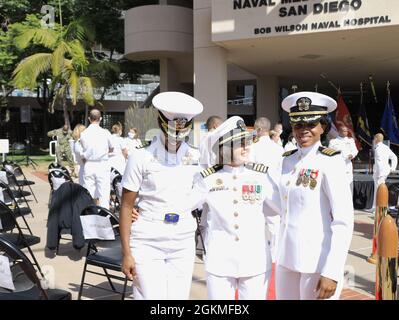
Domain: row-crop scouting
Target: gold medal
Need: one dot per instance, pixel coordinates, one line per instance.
(313, 184)
(305, 181)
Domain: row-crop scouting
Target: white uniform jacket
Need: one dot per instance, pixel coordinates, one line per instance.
(163, 180)
(235, 242)
(382, 155)
(347, 146)
(317, 212)
(267, 152)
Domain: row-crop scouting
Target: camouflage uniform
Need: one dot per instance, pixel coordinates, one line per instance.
(63, 150)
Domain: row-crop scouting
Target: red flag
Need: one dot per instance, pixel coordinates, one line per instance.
(343, 117)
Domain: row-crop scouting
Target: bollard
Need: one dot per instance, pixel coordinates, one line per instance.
(387, 266)
(381, 210)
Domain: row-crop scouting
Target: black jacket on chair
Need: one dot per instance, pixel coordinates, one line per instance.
(67, 203)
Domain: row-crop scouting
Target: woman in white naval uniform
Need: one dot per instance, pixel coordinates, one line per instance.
(117, 158)
(238, 255)
(159, 248)
(317, 209)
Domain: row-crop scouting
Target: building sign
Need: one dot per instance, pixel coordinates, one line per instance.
(245, 19)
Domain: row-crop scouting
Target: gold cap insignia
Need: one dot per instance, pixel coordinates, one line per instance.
(304, 104)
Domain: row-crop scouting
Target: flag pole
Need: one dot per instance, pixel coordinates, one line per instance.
(323, 76)
(388, 88)
(373, 88)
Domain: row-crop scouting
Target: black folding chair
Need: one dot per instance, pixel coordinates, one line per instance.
(12, 203)
(8, 225)
(109, 258)
(116, 193)
(17, 191)
(26, 282)
(16, 169)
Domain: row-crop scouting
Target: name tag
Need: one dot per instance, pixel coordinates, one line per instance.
(97, 227)
(171, 218)
(5, 274)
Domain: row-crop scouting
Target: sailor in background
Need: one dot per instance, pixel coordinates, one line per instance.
(96, 145)
(317, 210)
(385, 162)
(238, 256)
(117, 158)
(348, 149)
(159, 248)
(269, 153)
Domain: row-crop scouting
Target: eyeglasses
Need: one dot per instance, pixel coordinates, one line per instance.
(304, 125)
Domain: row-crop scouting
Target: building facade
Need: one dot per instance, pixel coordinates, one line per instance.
(243, 56)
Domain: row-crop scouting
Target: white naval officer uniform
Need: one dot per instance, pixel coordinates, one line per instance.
(347, 146)
(317, 222)
(270, 154)
(237, 251)
(116, 158)
(96, 144)
(164, 248)
(382, 168)
(317, 210)
(164, 252)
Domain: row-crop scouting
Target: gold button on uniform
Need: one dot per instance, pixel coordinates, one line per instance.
(288, 183)
(234, 189)
(285, 197)
(237, 238)
(234, 177)
(235, 201)
(236, 226)
(236, 214)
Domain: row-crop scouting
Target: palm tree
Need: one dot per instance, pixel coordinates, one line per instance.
(63, 60)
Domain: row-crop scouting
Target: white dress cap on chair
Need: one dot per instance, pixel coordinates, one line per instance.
(175, 105)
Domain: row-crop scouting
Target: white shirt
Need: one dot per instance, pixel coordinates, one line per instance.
(207, 157)
(267, 152)
(290, 145)
(382, 155)
(132, 144)
(78, 152)
(316, 224)
(347, 146)
(236, 243)
(164, 180)
(96, 143)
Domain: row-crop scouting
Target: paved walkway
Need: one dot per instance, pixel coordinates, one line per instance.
(65, 269)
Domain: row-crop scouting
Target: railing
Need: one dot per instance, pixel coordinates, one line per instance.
(243, 101)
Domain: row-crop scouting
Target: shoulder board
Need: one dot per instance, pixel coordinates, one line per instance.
(255, 140)
(207, 172)
(143, 145)
(288, 153)
(258, 167)
(328, 151)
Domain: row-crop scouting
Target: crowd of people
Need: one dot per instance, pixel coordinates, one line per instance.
(262, 201)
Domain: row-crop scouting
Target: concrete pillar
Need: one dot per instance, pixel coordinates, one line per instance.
(210, 64)
(168, 76)
(267, 98)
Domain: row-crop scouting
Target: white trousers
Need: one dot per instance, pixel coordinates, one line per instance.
(164, 270)
(378, 179)
(292, 285)
(96, 178)
(249, 288)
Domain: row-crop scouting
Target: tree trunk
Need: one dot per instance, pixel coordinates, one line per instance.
(66, 114)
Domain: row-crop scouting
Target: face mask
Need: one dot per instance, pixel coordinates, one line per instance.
(131, 135)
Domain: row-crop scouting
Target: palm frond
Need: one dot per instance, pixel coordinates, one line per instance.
(29, 69)
(45, 37)
(59, 57)
(78, 55)
(80, 29)
(87, 90)
(73, 84)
